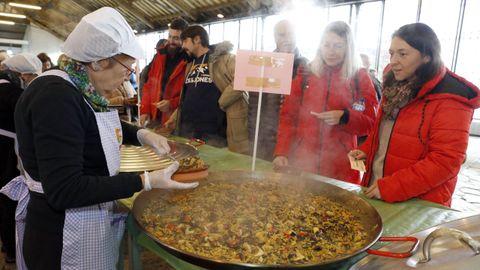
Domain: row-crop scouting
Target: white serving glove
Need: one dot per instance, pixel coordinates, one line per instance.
(158, 143)
(163, 179)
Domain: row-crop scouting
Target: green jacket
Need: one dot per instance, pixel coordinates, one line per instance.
(221, 64)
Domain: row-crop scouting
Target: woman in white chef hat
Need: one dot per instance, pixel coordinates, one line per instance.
(69, 145)
(27, 65)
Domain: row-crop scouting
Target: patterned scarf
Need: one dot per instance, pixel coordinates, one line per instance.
(396, 96)
(78, 74)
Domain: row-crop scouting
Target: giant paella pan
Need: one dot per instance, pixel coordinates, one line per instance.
(244, 220)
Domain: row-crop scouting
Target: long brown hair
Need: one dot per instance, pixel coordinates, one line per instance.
(421, 37)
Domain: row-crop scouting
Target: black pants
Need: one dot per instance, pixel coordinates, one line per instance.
(7, 226)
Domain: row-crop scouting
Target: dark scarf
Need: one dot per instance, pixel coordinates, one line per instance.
(396, 96)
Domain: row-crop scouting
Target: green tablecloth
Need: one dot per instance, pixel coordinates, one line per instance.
(399, 219)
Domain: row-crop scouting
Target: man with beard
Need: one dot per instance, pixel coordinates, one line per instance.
(161, 92)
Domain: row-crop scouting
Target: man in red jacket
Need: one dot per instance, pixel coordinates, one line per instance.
(161, 92)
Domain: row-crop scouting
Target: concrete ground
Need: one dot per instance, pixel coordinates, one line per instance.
(467, 192)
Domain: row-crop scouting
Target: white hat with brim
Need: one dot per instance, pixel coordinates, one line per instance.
(101, 34)
(24, 63)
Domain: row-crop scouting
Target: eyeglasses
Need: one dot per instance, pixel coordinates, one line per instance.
(129, 69)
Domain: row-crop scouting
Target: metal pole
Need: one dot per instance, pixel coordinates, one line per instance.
(379, 41)
(458, 35)
(259, 107)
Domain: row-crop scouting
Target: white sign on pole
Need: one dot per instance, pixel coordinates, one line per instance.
(263, 72)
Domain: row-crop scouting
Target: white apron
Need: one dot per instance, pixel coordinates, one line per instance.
(91, 234)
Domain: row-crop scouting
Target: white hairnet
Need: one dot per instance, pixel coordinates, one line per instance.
(24, 63)
(101, 34)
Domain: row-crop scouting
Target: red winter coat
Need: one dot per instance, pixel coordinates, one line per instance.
(152, 88)
(441, 115)
(308, 142)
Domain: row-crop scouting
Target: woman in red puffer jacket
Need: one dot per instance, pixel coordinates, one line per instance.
(421, 133)
(332, 101)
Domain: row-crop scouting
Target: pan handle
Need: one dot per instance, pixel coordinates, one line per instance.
(464, 238)
(394, 254)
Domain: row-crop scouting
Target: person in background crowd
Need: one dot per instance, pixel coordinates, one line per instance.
(69, 144)
(62, 60)
(3, 55)
(10, 92)
(122, 96)
(46, 61)
(209, 107)
(373, 75)
(26, 65)
(419, 140)
(329, 106)
(285, 40)
(161, 92)
(133, 79)
(21, 69)
(144, 74)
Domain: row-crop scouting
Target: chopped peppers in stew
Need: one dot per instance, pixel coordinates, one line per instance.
(191, 164)
(255, 222)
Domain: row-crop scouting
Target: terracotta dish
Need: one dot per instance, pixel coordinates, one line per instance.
(191, 176)
(191, 169)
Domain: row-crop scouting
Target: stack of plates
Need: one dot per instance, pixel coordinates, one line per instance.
(142, 158)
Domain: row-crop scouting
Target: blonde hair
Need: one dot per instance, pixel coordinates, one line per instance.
(62, 60)
(350, 63)
(3, 55)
